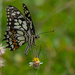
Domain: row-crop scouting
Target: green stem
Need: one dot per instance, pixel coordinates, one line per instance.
(36, 72)
(0, 18)
(0, 71)
(3, 73)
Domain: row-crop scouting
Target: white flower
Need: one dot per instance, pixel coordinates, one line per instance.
(35, 63)
(2, 50)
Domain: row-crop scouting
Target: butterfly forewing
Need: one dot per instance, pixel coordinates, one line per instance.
(16, 34)
(15, 19)
(28, 18)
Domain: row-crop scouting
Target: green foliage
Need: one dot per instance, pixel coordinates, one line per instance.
(58, 47)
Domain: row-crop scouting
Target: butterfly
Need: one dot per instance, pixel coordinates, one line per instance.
(20, 29)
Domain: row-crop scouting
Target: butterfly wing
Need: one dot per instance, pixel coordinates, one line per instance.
(15, 19)
(15, 38)
(28, 19)
(16, 34)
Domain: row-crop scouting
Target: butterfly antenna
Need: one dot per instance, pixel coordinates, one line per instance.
(46, 32)
(40, 47)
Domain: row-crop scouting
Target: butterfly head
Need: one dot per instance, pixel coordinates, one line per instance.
(37, 36)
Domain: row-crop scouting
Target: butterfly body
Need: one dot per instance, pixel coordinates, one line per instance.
(20, 29)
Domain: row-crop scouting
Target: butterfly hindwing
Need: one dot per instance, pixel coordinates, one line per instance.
(15, 38)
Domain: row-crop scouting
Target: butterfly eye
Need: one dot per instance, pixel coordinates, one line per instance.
(36, 37)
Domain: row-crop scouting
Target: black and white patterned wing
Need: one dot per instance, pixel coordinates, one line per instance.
(15, 19)
(15, 38)
(29, 20)
(16, 34)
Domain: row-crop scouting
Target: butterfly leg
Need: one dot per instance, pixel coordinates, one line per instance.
(27, 49)
(36, 51)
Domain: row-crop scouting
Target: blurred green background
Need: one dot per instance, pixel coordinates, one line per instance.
(58, 47)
